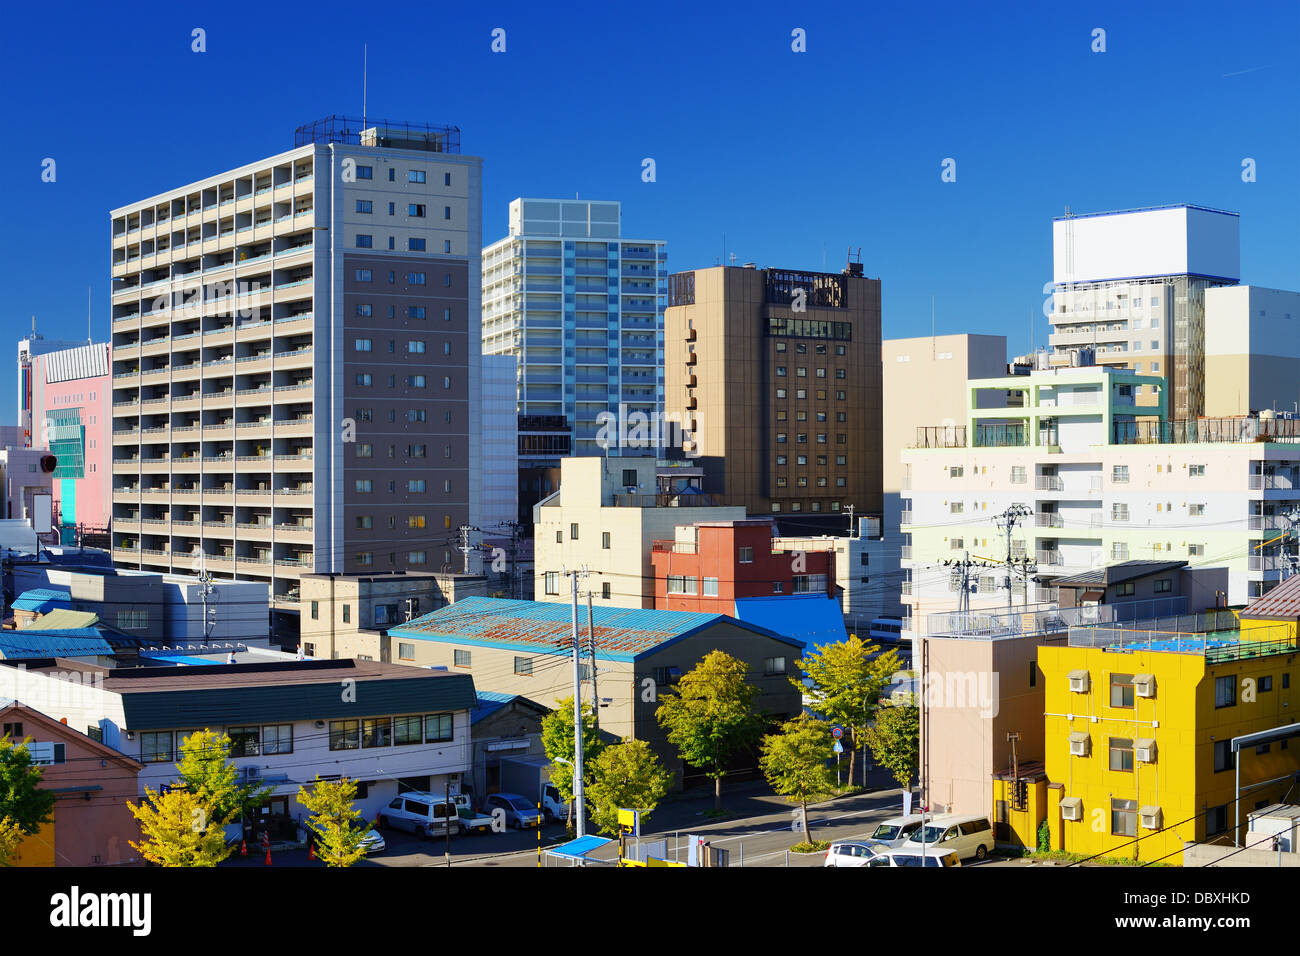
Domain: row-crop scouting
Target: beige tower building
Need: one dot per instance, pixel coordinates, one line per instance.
(778, 374)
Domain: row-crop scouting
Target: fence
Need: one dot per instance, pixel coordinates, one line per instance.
(1049, 619)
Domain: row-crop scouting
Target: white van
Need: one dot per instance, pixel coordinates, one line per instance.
(966, 836)
(420, 813)
(893, 833)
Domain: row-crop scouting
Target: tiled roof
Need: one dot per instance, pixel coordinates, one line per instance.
(621, 633)
(1282, 602)
(1117, 573)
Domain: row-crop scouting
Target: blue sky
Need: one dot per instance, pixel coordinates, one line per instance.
(795, 157)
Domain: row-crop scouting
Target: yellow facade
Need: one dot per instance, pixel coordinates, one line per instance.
(37, 849)
(1178, 726)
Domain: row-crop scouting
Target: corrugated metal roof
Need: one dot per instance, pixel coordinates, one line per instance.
(622, 634)
(62, 619)
(489, 703)
(42, 599)
(810, 619)
(1118, 573)
(34, 643)
(1283, 602)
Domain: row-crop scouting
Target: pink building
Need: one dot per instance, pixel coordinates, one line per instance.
(71, 415)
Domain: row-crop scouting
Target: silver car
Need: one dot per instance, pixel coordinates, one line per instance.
(519, 812)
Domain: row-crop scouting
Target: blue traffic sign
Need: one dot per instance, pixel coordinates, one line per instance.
(839, 747)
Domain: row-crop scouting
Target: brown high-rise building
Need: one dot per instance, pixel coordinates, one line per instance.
(779, 375)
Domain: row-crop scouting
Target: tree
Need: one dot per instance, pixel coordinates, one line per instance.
(847, 678)
(795, 762)
(11, 838)
(21, 799)
(557, 742)
(625, 776)
(206, 771)
(895, 739)
(710, 715)
(178, 830)
(333, 819)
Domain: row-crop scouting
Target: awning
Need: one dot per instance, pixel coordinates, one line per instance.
(1072, 802)
(580, 848)
(1078, 736)
(1092, 595)
(1076, 675)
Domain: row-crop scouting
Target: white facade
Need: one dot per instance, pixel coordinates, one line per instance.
(1146, 243)
(1252, 350)
(582, 310)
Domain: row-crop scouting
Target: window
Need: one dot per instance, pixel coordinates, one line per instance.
(364, 310)
(365, 414)
(1125, 589)
(461, 658)
(347, 614)
(524, 666)
(1225, 691)
(552, 582)
(415, 347)
(277, 739)
(1164, 585)
(416, 484)
(365, 205)
(363, 345)
(363, 558)
(773, 666)
(778, 587)
(446, 179)
(376, 732)
(415, 209)
(1123, 817)
(415, 176)
(364, 379)
(363, 521)
(605, 591)
(1121, 754)
(1265, 684)
(710, 587)
(345, 735)
(681, 584)
(956, 507)
(573, 532)
(1224, 758)
(1119, 473)
(1118, 512)
(418, 415)
(365, 242)
(415, 278)
(244, 741)
(365, 172)
(1195, 471)
(780, 438)
(415, 245)
(746, 556)
(415, 381)
(154, 748)
(1216, 820)
(604, 540)
(438, 728)
(446, 212)
(364, 486)
(407, 730)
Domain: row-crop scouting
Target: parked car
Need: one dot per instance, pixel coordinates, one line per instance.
(519, 812)
(909, 857)
(967, 836)
(894, 832)
(373, 842)
(852, 853)
(420, 813)
(471, 821)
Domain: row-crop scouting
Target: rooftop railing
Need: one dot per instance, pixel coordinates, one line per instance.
(1042, 619)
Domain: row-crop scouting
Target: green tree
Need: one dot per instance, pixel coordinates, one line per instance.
(710, 715)
(178, 830)
(794, 762)
(625, 776)
(557, 743)
(21, 799)
(847, 678)
(895, 739)
(205, 770)
(334, 820)
(11, 838)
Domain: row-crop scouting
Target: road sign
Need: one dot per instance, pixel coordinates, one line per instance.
(837, 733)
(839, 747)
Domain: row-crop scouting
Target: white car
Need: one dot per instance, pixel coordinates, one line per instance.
(372, 842)
(893, 833)
(909, 857)
(852, 853)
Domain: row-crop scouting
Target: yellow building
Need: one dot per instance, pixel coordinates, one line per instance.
(1137, 735)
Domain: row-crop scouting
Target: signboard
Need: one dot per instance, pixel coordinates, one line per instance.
(907, 802)
(839, 747)
(837, 733)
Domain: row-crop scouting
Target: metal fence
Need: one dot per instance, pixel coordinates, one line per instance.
(1047, 619)
(1190, 634)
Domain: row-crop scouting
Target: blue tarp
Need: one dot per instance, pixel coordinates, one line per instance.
(813, 619)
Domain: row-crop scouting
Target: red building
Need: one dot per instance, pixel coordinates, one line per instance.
(712, 563)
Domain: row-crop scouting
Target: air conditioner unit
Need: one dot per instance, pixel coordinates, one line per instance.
(1150, 818)
(1145, 750)
(1071, 808)
(1144, 685)
(1080, 744)
(252, 773)
(1079, 682)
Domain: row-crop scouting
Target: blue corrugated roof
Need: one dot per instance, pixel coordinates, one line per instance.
(33, 642)
(579, 848)
(811, 619)
(43, 599)
(489, 703)
(622, 634)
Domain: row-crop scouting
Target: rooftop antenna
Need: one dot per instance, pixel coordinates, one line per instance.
(365, 71)
(90, 325)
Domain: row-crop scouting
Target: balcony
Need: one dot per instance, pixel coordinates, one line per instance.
(1049, 558)
(1049, 483)
(1048, 519)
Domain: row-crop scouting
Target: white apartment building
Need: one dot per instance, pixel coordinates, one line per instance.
(296, 361)
(582, 310)
(1131, 285)
(1101, 483)
(1252, 350)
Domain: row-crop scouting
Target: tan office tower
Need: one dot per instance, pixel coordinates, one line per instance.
(296, 362)
(778, 374)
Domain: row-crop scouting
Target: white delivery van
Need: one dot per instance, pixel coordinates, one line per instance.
(966, 836)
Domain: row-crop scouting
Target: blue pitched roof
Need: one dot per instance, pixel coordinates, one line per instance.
(810, 619)
(489, 702)
(33, 642)
(622, 634)
(41, 600)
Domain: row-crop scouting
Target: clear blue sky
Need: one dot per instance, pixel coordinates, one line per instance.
(794, 156)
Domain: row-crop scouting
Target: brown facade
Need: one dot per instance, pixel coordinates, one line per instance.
(779, 375)
(411, 410)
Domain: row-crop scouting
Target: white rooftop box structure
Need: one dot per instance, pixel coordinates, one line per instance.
(1143, 243)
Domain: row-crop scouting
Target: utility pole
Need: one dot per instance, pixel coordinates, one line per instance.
(465, 546)
(206, 589)
(851, 524)
(1007, 521)
(578, 797)
(591, 639)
